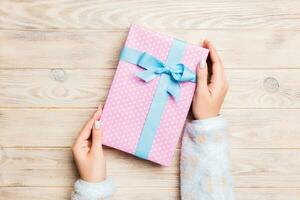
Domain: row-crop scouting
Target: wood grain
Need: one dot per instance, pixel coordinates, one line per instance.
(57, 61)
(49, 193)
(33, 193)
(267, 193)
(189, 14)
(254, 128)
(92, 49)
(55, 168)
(87, 88)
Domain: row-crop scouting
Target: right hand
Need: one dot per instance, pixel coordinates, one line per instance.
(209, 95)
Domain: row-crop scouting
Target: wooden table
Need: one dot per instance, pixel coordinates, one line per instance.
(57, 61)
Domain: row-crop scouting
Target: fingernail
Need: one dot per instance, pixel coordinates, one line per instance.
(97, 124)
(203, 64)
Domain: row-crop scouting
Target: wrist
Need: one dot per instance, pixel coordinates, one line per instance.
(206, 116)
(94, 178)
(208, 124)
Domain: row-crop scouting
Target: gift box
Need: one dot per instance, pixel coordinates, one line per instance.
(150, 95)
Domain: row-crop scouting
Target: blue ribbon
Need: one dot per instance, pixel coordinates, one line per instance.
(154, 68)
(171, 74)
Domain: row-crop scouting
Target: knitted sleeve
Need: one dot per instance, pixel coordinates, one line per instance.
(205, 170)
(93, 191)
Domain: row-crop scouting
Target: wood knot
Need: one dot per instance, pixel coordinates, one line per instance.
(271, 84)
(58, 75)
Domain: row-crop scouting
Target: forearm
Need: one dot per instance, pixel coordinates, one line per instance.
(93, 191)
(205, 171)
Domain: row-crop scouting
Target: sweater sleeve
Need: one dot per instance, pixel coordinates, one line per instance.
(205, 171)
(93, 191)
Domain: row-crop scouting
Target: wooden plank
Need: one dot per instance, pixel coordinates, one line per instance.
(263, 128)
(34, 193)
(263, 89)
(63, 193)
(249, 128)
(190, 14)
(54, 88)
(54, 167)
(86, 88)
(267, 193)
(91, 49)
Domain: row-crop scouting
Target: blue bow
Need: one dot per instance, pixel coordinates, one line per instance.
(154, 68)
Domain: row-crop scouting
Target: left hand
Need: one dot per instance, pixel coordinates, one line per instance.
(88, 152)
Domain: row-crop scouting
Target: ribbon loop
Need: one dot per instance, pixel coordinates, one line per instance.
(154, 68)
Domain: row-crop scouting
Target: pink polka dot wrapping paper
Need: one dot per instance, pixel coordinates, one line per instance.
(130, 98)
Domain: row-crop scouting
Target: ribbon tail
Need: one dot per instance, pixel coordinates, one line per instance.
(174, 89)
(147, 75)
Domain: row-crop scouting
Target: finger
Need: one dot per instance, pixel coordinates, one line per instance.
(218, 72)
(217, 67)
(86, 132)
(213, 55)
(98, 113)
(97, 137)
(202, 76)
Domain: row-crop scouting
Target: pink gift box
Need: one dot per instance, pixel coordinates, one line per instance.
(130, 98)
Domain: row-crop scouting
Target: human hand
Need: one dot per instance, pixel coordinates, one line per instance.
(209, 95)
(88, 152)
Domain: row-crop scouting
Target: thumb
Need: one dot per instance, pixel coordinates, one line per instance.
(96, 136)
(202, 76)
